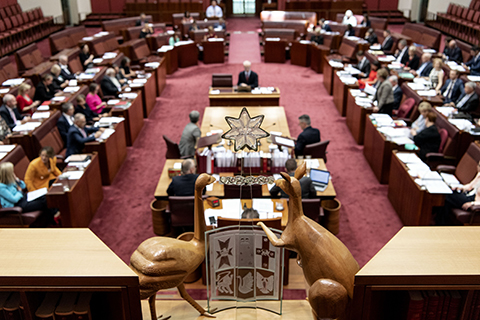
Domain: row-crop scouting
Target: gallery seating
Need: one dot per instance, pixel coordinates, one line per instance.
(117, 25)
(67, 38)
(133, 33)
(423, 35)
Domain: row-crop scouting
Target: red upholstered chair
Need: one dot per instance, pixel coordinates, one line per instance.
(406, 108)
(311, 208)
(436, 158)
(242, 192)
(173, 152)
(317, 150)
(15, 218)
(182, 211)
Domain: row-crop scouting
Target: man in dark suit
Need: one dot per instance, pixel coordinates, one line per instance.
(425, 67)
(247, 77)
(10, 113)
(371, 37)
(474, 63)
(309, 135)
(308, 190)
(324, 25)
(65, 121)
(184, 185)
(79, 134)
(110, 85)
(142, 20)
(453, 52)
(387, 43)
(468, 102)
(66, 73)
(401, 54)
(453, 87)
(397, 92)
(363, 65)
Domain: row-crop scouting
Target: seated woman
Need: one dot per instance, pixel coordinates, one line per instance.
(86, 58)
(83, 108)
(413, 60)
(418, 125)
(366, 21)
(350, 32)
(42, 170)
(24, 103)
(11, 194)
(93, 99)
(211, 33)
(372, 76)
(428, 140)
(125, 69)
(59, 83)
(384, 93)
(187, 18)
(146, 30)
(436, 75)
(44, 90)
(173, 39)
(371, 37)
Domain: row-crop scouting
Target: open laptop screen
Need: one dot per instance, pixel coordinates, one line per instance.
(319, 176)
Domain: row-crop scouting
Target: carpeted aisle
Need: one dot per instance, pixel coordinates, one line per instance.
(244, 46)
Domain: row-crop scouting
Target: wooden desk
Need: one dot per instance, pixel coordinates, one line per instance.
(100, 45)
(300, 53)
(35, 261)
(133, 118)
(79, 204)
(217, 191)
(356, 118)
(340, 94)
(213, 51)
(35, 74)
(318, 54)
(231, 97)
(111, 153)
(328, 72)
(149, 92)
(70, 97)
(160, 74)
(187, 55)
(417, 258)
(274, 51)
(171, 59)
(410, 93)
(412, 204)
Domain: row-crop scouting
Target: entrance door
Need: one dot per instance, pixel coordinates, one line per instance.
(243, 7)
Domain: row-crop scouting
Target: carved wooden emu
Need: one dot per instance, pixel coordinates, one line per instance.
(328, 266)
(163, 263)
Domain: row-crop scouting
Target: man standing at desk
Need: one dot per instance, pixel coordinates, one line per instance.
(190, 135)
(247, 77)
(214, 11)
(308, 190)
(184, 185)
(308, 136)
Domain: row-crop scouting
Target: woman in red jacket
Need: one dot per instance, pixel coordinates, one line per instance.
(24, 103)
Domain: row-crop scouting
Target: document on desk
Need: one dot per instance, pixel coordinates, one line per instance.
(110, 120)
(59, 99)
(263, 205)
(153, 65)
(3, 154)
(408, 157)
(72, 175)
(335, 64)
(40, 115)
(312, 163)
(71, 89)
(32, 195)
(352, 70)
(13, 82)
(7, 147)
(165, 48)
(97, 60)
(427, 93)
(106, 134)
(131, 96)
(461, 124)
(28, 126)
(376, 47)
(286, 142)
(357, 93)
(437, 187)
(3, 91)
(416, 85)
(446, 111)
(388, 58)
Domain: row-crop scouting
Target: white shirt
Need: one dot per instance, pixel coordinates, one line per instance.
(352, 21)
(116, 83)
(395, 87)
(65, 68)
(12, 115)
(400, 54)
(69, 118)
(214, 12)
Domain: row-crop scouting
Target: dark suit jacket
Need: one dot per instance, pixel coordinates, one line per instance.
(63, 127)
(365, 68)
(327, 28)
(454, 54)
(42, 94)
(372, 39)
(87, 112)
(76, 141)
(308, 190)
(397, 97)
(108, 88)
(428, 140)
(182, 186)
(252, 79)
(5, 114)
(57, 83)
(308, 136)
(367, 24)
(350, 33)
(318, 39)
(387, 45)
(67, 76)
(426, 71)
(474, 66)
(457, 90)
(413, 63)
(470, 106)
(404, 57)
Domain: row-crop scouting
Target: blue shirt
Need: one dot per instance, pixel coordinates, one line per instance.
(9, 194)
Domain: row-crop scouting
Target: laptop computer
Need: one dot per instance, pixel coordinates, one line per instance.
(320, 179)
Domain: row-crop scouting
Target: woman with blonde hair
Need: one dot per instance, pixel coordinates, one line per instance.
(418, 125)
(437, 74)
(24, 103)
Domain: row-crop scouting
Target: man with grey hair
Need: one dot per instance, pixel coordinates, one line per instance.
(397, 92)
(190, 135)
(425, 67)
(468, 102)
(79, 134)
(247, 77)
(10, 113)
(65, 73)
(184, 185)
(65, 121)
(402, 52)
(110, 85)
(309, 135)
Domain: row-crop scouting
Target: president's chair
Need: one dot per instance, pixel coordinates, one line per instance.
(317, 150)
(173, 152)
(222, 80)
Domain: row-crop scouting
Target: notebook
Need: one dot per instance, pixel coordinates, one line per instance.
(320, 179)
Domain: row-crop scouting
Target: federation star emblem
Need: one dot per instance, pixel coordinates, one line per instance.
(224, 253)
(245, 131)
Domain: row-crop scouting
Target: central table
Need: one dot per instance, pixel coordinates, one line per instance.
(231, 97)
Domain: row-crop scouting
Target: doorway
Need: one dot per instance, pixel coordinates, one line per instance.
(243, 7)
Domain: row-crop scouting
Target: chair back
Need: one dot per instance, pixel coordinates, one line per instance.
(173, 152)
(443, 139)
(406, 108)
(317, 150)
(311, 208)
(275, 223)
(182, 211)
(222, 80)
(244, 192)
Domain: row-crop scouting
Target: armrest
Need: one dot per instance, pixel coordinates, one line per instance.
(135, 67)
(446, 168)
(13, 210)
(475, 208)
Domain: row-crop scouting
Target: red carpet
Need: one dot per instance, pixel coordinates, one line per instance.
(244, 46)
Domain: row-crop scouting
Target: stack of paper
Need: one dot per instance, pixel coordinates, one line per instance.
(93, 70)
(451, 180)
(130, 96)
(97, 60)
(13, 82)
(85, 76)
(4, 90)
(216, 39)
(416, 85)
(446, 111)
(408, 157)
(7, 148)
(382, 119)
(427, 93)
(335, 64)
(352, 70)
(357, 93)
(113, 102)
(153, 65)
(461, 124)
(109, 55)
(376, 47)
(182, 43)
(29, 126)
(110, 120)
(388, 58)
(106, 134)
(71, 89)
(432, 51)
(40, 115)
(72, 175)
(43, 108)
(165, 48)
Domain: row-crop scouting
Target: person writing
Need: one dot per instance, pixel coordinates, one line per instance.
(42, 170)
(247, 77)
(308, 190)
(309, 135)
(190, 135)
(184, 185)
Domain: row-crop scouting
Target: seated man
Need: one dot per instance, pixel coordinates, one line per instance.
(79, 134)
(247, 77)
(110, 85)
(397, 92)
(425, 67)
(142, 21)
(308, 190)
(387, 43)
(190, 135)
(363, 65)
(65, 73)
(371, 37)
(65, 121)
(184, 185)
(10, 113)
(325, 27)
(401, 54)
(468, 102)
(453, 52)
(309, 135)
(453, 87)
(317, 38)
(214, 11)
(474, 63)
(428, 140)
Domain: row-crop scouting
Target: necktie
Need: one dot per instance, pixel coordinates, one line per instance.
(246, 75)
(12, 114)
(83, 132)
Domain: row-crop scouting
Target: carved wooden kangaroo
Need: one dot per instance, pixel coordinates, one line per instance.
(328, 266)
(163, 263)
